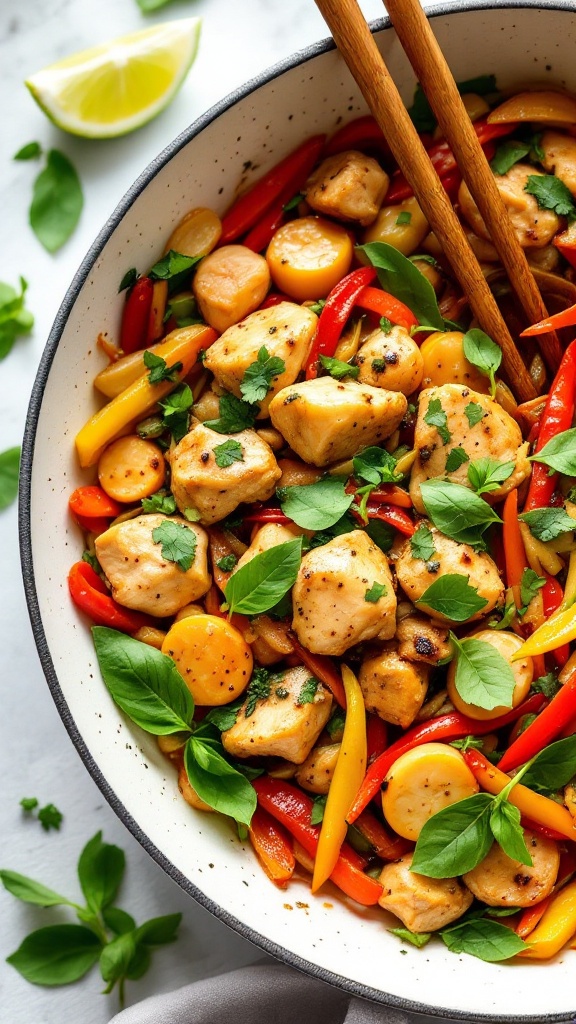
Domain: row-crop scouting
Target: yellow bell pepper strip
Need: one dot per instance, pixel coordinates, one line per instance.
(137, 399)
(348, 775)
(116, 377)
(557, 927)
(540, 809)
(559, 629)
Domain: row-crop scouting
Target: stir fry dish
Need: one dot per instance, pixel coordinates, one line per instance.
(330, 561)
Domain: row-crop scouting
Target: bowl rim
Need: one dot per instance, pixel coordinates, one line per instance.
(297, 59)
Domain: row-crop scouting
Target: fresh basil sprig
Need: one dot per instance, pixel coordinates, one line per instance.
(559, 453)
(398, 276)
(453, 597)
(173, 264)
(57, 201)
(483, 677)
(486, 475)
(265, 579)
(216, 781)
(422, 543)
(15, 319)
(483, 353)
(316, 506)
(456, 511)
(480, 937)
(548, 523)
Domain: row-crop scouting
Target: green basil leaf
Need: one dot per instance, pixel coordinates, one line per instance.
(115, 959)
(483, 677)
(420, 112)
(228, 453)
(147, 7)
(456, 458)
(435, 416)
(144, 683)
(259, 376)
(548, 685)
(483, 353)
(173, 264)
(31, 151)
(418, 939)
(482, 938)
(318, 808)
(29, 891)
(530, 584)
(129, 280)
(507, 154)
(554, 766)
(15, 319)
(551, 194)
(456, 511)
(486, 475)
(265, 579)
(455, 839)
(376, 466)
(235, 415)
(100, 872)
(57, 201)
(224, 717)
(9, 469)
(398, 276)
(382, 534)
(117, 920)
(453, 597)
(159, 931)
(508, 832)
(422, 543)
(316, 506)
(548, 523)
(56, 955)
(217, 783)
(339, 369)
(139, 963)
(559, 453)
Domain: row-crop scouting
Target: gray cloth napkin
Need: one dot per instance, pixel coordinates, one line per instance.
(267, 994)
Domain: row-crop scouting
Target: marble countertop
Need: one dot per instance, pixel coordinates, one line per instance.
(36, 756)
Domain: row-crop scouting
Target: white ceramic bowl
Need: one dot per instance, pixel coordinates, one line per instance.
(345, 945)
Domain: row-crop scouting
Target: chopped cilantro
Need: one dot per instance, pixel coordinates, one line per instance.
(436, 417)
(551, 194)
(161, 501)
(386, 326)
(308, 691)
(159, 369)
(258, 689)
(227, 563)
(50, 817)
(28, 803)
(235, 415)
(474, 413)
(422, 543)
(178, 543)
(456, 458)
(259, 376)
(228, 453)
(375, 592)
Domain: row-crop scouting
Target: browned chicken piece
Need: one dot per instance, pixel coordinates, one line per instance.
(230, 283)
(348, 186)
(392, 361)
(286, 723)
(495, 435)
(415, 575)
(199, 483)
(533, 226)
(500, 881)
(420, 639)
(331, 609)
(325, 420)
(140, 577)
(285, 331)
(393, 688)
(316, 773)
(560, 157)
(422, 904)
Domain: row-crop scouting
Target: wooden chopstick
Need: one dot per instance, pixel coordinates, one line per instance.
(356, 44)
(421, 47)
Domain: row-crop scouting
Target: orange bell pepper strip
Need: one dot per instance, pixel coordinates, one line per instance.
(565, 318)
(531, 917)
(92, 501)
(514, 552)
(535, 806)
(557, 927)
(273, 846)
(388, 847)
(348, 775)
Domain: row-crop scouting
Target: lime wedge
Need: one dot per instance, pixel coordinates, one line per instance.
(118, 86)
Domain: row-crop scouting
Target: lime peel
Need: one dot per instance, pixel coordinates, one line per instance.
(114, 88)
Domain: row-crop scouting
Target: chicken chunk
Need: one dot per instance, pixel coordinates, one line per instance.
(331, 609)
(141, 577)
(415, 575)
(560, 157)
(533, 226)
(316, 773)
(230, 283)
(348, 186)
(286, 723)
(393, 688)
(473, 422)
(285, 331)
(392, 361)
(213, 491)
(420, 639)
(500, 881)
(325, 420)
(422, 904)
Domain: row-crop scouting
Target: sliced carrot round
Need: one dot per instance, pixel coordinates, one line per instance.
(212, 656)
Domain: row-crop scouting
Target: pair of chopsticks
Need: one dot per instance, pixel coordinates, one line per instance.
(356, 44)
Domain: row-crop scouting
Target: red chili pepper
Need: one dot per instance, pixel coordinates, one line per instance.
(395, 517)
(389, 847)
(135, 316)
(322, 668)
(452, 184)
(274, 299)
(542, 830)
(565, 318)
(337, 309)
(376, 737)
(292, 808)
(384, 304)
(267, 515)
(452, 726)
(89, 593)
(249, 207)
(273, 846)
(546, 728)
(552, 597)
(557, 417)
(392, 495)
(92, 501)
(362, 133)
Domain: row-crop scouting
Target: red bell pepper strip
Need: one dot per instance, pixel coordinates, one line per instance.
(542, 830)
(384, 304)
(249, 207)
(92, 501)
(391, 495)
(376, 737)
(292, 808)
(452, 726)
(274, 299)
(89, 593)
(322, 668)
(452, 183)
(565, 318)
(566, 244)
(387, 847)
(362, 133)
(273, 846)
(530, 917)
(552, 597)
(544, 729)
(337, 309)
(557, 417)
(96, 525)
(395, 517)
(136, 315)
(267, 515)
